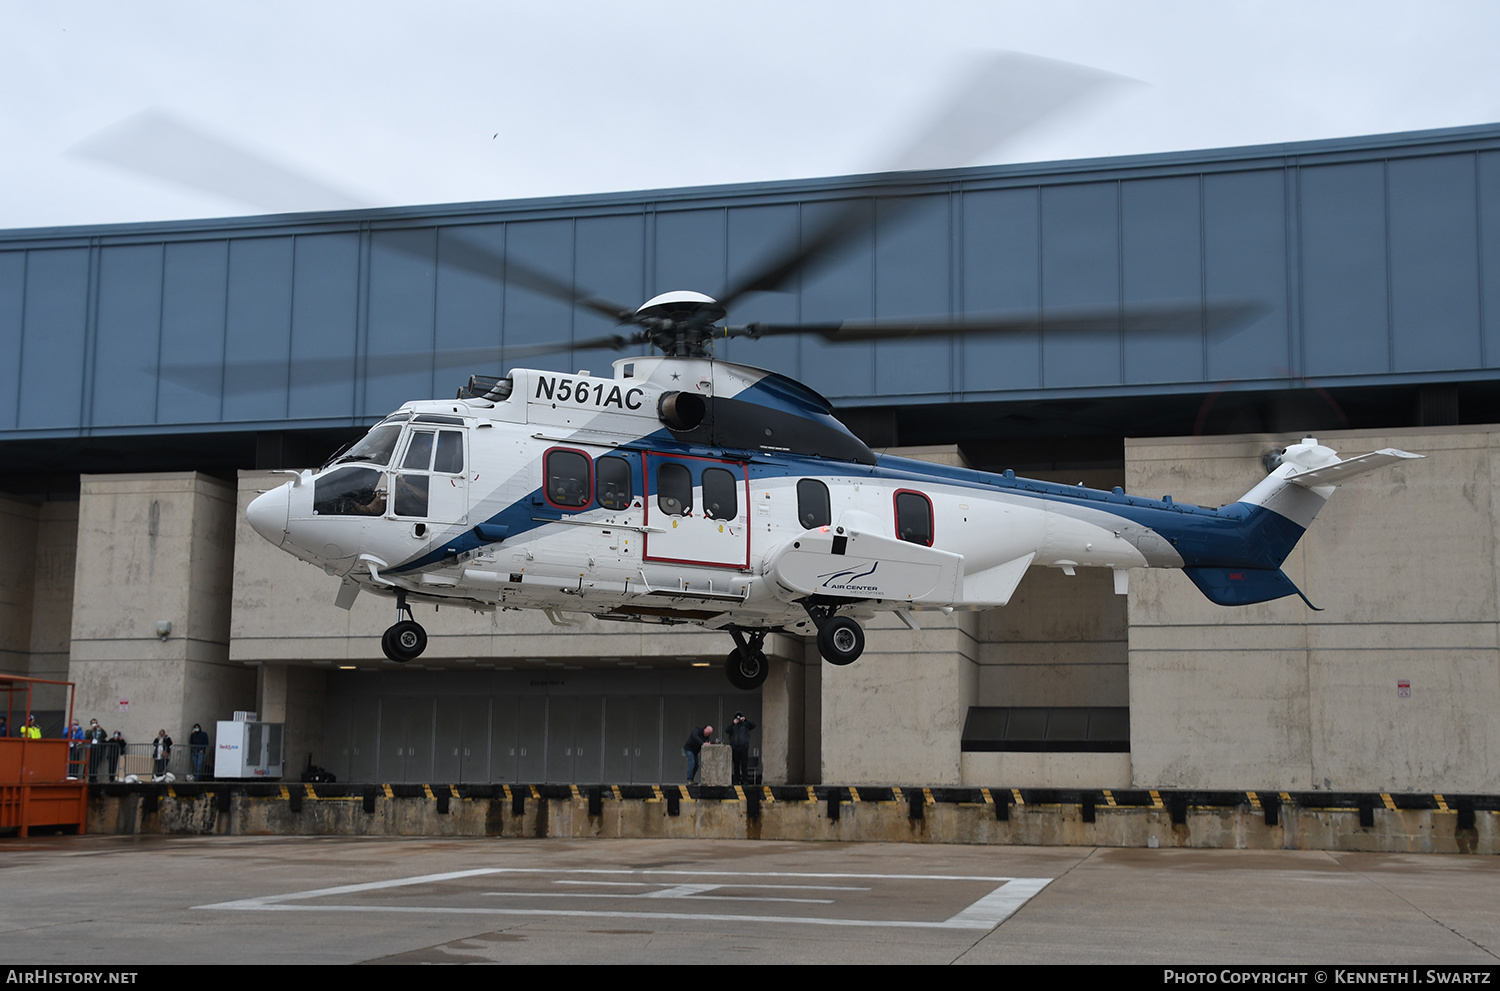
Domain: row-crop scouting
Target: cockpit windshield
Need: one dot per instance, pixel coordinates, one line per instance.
(375, 448)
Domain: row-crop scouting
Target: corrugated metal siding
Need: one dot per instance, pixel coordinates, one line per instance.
(1377, 261)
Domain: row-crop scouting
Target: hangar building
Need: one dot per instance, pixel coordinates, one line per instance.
(153, 375)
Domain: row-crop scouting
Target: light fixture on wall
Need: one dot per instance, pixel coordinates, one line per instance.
(164, 628)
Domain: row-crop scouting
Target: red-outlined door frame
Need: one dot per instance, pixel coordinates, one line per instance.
(696, 539)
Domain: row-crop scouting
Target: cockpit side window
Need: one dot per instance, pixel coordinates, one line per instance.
(450, 452)
(349, 492)
(411, 494)
(419, 451)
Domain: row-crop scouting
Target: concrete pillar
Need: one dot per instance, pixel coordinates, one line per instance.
(783, 705)
(897, 714)
(296, 697)
(37, 547)
(155, 549)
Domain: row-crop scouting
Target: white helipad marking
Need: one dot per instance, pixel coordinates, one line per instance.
(988, 912)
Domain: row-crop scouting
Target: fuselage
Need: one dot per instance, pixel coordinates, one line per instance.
(694, 490)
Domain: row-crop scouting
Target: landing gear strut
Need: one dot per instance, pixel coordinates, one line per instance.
(405, 640)
(840, 639)
(746, 665)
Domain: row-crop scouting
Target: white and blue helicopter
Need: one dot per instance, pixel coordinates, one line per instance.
(686, 489)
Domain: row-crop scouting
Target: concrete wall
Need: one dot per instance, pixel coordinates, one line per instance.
(897, 714)
(155, 548)
(37, 549)
(1275, 696)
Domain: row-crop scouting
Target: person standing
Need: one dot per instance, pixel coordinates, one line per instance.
(96, 739)
(694, 747)
(31, 730)
(738, 738)
(74, 735)
(161, 752)
(112, 752)
(197, 749)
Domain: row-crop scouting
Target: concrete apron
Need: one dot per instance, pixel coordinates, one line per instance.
(1405, 824)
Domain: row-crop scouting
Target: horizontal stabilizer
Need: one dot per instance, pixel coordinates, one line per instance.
(1244, 586)
(1341, 471)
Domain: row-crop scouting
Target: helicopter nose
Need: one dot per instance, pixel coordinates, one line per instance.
(267, 513)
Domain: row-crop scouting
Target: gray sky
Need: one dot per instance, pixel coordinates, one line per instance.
(401, 103)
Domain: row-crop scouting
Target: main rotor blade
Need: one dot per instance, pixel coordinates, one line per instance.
(995, 97)
(159, 146)
(462, 253)
(1220, 319)
(209, 378)
(1000, 95)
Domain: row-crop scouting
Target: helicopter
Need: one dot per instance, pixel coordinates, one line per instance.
(686, 488)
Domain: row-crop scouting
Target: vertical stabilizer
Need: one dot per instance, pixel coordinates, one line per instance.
(1277, 512)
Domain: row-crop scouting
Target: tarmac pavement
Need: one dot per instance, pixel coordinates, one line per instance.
(296, 900)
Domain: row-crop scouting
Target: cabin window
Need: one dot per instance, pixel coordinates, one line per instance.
(349, 492)
(568, 481)
(674, 489)
(812, 504)
(914, 517)
(450, 452)
(719, 501)
(612, 483)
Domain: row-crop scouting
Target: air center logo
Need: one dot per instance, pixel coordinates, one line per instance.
(848, 580)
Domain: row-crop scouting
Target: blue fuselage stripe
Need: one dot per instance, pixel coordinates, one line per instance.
(1236, 535)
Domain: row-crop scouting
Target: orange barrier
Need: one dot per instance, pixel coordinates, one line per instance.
(35, 786)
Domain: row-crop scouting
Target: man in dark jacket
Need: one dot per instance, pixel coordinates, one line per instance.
(96, 738)
(693, 747)
(738, 738)
(198, 750)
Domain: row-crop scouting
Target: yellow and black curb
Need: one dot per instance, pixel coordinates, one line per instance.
(1114, 817)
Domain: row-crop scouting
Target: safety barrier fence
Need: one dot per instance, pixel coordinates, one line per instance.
(103, 763)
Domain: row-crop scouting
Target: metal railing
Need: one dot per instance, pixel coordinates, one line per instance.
(107, 762)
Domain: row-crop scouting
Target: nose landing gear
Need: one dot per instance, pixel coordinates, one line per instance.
(405, 640)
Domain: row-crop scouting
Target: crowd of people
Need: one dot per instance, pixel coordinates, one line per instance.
(104, 756)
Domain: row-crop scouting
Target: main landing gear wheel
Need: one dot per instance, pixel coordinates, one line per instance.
(746, 665)
(746, 668)
(404, 642)
(840, 640)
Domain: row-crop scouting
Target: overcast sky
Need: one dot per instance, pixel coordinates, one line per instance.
(406, 103)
